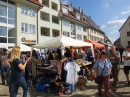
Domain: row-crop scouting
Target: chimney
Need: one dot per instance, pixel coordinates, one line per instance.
(82, 11)
(71, 5)
(89, 16)
(79, 9)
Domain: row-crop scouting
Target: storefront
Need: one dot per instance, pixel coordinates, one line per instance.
(7, 24)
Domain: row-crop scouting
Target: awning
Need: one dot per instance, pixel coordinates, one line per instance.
(95, 44)
(107, 44)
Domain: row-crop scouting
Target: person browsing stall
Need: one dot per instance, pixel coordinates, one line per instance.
(103, 66)
(17, 73)
(126, 56)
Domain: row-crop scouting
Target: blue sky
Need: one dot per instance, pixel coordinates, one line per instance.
(108, 14)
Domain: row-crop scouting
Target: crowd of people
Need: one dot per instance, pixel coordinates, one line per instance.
(105, 63)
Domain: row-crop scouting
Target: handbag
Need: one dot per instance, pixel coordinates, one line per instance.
(99, 79)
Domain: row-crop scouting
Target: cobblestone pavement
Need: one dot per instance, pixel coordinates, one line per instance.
(89, 91)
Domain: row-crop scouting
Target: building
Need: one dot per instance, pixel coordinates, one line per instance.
(49, 23)
(35, 21)
(18, 22)
(125, 33)
(117, 43)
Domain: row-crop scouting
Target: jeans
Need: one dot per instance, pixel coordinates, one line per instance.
(106, 85)
(3, 71)
(15, 85)
(71, 86)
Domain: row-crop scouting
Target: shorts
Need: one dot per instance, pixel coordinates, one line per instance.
(126, 69)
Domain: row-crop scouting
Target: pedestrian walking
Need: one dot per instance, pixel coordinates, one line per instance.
(114, 57)
(103, 67)
(17, 73)
(126, 56)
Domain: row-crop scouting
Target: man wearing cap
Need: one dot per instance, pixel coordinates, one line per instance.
(126, 56)
(114, 57)
(3, 64)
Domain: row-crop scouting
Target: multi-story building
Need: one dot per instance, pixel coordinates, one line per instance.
(36, 21)
(49, 23)
(18, 22)
(125, 33)
(74, 23)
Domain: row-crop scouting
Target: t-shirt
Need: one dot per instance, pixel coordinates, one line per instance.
(126, 62)
(16, 72)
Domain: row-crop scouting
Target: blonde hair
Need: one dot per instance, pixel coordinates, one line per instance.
(15, 53)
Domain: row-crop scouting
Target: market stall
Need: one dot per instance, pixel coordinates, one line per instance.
(60, 42)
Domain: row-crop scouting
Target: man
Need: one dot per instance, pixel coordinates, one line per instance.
(121, 50)
(114, 57)
(126, 56)
(3, 65)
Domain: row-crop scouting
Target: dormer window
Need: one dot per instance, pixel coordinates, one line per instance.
(78, 16)
(65, 10)
(70, 8)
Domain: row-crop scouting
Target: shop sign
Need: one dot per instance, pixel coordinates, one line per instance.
(27, 40)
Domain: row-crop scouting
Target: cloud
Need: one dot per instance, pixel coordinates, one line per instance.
(128, 7)
(115, 18)
(65, 1)
(125, 12)
(105, 5)
(113, 24)
(114, 32)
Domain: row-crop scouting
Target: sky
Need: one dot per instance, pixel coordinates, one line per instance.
(110, 15)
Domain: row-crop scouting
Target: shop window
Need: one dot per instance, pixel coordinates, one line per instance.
(3, 14)
(11, 32)
(3, 31)
(3, 39)
(11, 40)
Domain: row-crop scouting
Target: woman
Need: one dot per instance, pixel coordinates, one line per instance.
(103, 65)
(17, 69)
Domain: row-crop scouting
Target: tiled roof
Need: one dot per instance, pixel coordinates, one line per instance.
(70, 15)
(35, 2)
(93, 24)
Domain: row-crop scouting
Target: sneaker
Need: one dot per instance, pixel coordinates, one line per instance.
(100, 94)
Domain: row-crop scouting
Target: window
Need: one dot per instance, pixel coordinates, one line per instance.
(11, 40)
(11, 32)
(128, 33)
(65, 10)
(32, 28)
(55, 33)
(128, 42)
(24, 10)
(78, 16)
(79, 27)
(65, 23)
(79, 36)
(11, 15)
(3, 14)
(91, 30)
(3, 31)
(66, 33)
(3, 39)
(24, 27)
(31, 12)
(70, 8)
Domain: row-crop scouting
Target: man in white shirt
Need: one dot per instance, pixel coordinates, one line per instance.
(126, 56)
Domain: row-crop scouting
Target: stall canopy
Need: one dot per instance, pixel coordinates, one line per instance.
(95, 44)
(24, 48)
(62, 41)
(107, 44)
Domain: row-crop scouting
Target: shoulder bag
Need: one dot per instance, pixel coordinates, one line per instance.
(99, 79)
